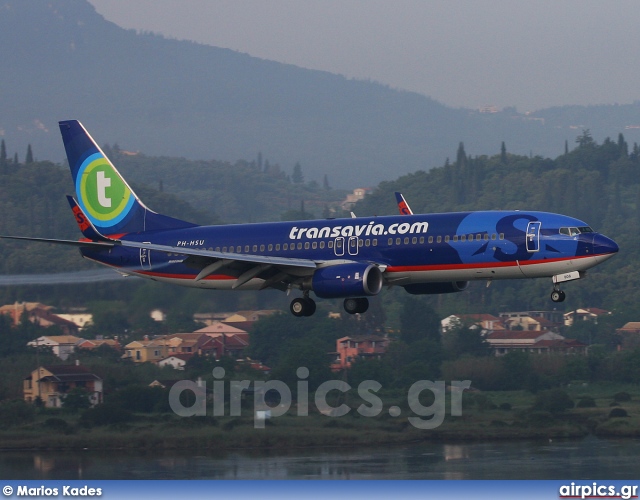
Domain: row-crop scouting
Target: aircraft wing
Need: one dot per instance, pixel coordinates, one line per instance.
(196, 252)
(75, 243)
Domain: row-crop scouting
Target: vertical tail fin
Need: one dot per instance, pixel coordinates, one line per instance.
(403, 206)
(103, 195)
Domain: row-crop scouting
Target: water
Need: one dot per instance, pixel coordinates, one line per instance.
(590, 458)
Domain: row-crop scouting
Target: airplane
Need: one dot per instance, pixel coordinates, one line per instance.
(403, 206)
(350, 258)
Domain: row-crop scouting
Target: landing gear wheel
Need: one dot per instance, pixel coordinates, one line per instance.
(303, 306)
(355, 306)
(558, 296)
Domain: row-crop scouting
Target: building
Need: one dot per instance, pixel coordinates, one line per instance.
(484, 322)
(584, 314)
(142, 351)
(533, 341)
(51, 383)
(175, 361)
(62, 346)
(349, 349)
(351, 199)
(540, 320)
(38, 314)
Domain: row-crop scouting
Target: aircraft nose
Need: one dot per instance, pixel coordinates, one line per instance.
(603, 245)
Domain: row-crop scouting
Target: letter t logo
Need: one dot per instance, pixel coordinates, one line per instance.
(103, 183)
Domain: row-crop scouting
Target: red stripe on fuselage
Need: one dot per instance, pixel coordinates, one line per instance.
(481, 265)
(186, 276)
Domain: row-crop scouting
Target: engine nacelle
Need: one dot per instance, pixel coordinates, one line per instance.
(346, 280)
(436, 288)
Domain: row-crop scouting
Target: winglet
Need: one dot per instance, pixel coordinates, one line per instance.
(88, 229)
(403, 206)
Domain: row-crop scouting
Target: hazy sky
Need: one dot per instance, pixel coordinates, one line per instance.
(525, 53)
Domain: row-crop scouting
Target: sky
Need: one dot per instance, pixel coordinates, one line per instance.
(531, 54)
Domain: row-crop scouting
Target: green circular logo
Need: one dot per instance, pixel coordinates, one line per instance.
(104, 196)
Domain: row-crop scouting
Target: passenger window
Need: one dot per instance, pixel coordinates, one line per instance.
(446, 239)
(390, 242)
(262, 248)
(478, 237)
(406, 240)
(463, 237)
(217, 249)
(277, 247)
(255, 248)
(502, 236)
(486, 237)
(360, 243)
(285, 246)
(224, 249)
(306, 246)
(367, 243)
(430, 239)
(314, 245)
(299, 246)
(414, 240)
(330, 244)
(493, 236)
(421, 240)
(270, 248)
(375, 242)
(398, 241)
(455, 238)
(322, 244)
(439, 239)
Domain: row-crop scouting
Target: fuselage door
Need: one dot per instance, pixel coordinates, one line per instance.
(533, 236)
(353, 245)
(338, 246)
(145, 258)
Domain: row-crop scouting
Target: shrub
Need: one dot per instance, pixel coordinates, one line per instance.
(586, 402)
(16, 412)
(622, 397)
(553, 401)
(505, 406)
(618, 413)
(56, 424)
(105, 414)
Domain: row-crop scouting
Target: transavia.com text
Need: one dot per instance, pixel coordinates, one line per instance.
(427, 417)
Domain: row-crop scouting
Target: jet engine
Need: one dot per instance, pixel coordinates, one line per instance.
(346, 280)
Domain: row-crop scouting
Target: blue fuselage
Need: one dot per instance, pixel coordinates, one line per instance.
(409, 249)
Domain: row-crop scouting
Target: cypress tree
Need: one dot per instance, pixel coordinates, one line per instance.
(297, 176)
(29, 158)
(503, 153)
(3, 153)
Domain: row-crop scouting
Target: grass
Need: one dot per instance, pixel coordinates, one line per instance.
(486, 416)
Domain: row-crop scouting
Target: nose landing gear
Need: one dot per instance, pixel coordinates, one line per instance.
(558, 295)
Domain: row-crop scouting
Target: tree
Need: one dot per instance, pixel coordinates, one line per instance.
(418, 321)
(3, 153)
(297, 177)
(29, 157)
(325, 182)
(503, 154)
(76, 399)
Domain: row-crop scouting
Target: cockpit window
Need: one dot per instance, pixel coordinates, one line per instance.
(574, 231)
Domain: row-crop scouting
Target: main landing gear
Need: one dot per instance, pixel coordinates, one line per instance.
(303, 306)
(357, 305)
(306, 306)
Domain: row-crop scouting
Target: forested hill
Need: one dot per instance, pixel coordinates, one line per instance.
(598, 183)
(62, 60)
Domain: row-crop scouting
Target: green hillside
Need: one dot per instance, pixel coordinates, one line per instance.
(598, 183)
